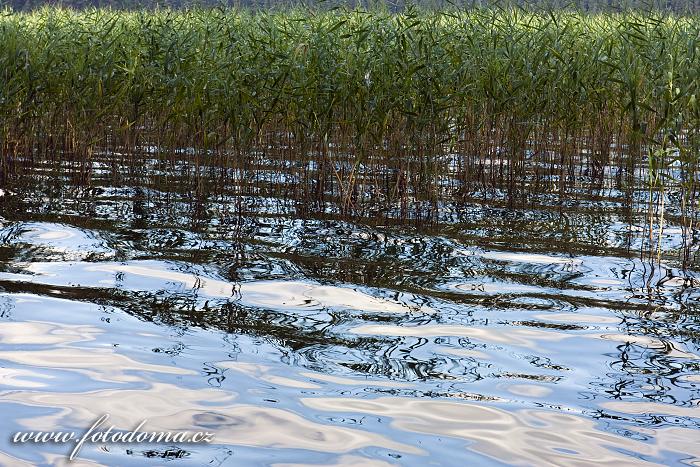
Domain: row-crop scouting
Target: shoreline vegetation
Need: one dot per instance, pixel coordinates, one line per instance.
(362, 106)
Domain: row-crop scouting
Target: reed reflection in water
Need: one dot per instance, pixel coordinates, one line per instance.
(498, 337)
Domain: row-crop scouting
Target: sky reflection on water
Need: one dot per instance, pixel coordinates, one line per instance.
(329, 342)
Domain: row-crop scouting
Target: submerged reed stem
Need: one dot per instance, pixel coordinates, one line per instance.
(365, 107)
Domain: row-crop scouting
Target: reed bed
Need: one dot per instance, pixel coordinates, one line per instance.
(366, 108)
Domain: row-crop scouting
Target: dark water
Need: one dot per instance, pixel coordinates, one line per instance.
(501, 336)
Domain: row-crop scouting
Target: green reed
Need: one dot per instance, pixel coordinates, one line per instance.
(388, 107)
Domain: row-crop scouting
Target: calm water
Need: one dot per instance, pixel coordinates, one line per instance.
(520, 336)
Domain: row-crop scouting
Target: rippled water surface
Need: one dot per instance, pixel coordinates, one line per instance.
(500, 336)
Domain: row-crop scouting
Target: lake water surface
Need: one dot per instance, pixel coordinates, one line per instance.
(501, 336)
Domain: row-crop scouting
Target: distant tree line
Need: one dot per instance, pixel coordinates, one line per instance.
(677, 6)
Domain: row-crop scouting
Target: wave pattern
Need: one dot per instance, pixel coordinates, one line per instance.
(502, 337)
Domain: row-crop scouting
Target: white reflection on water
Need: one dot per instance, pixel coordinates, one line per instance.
(56, 241)
(344, 461)
(171, 408)
(521, 436)
(514, 336)
(153, 275)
